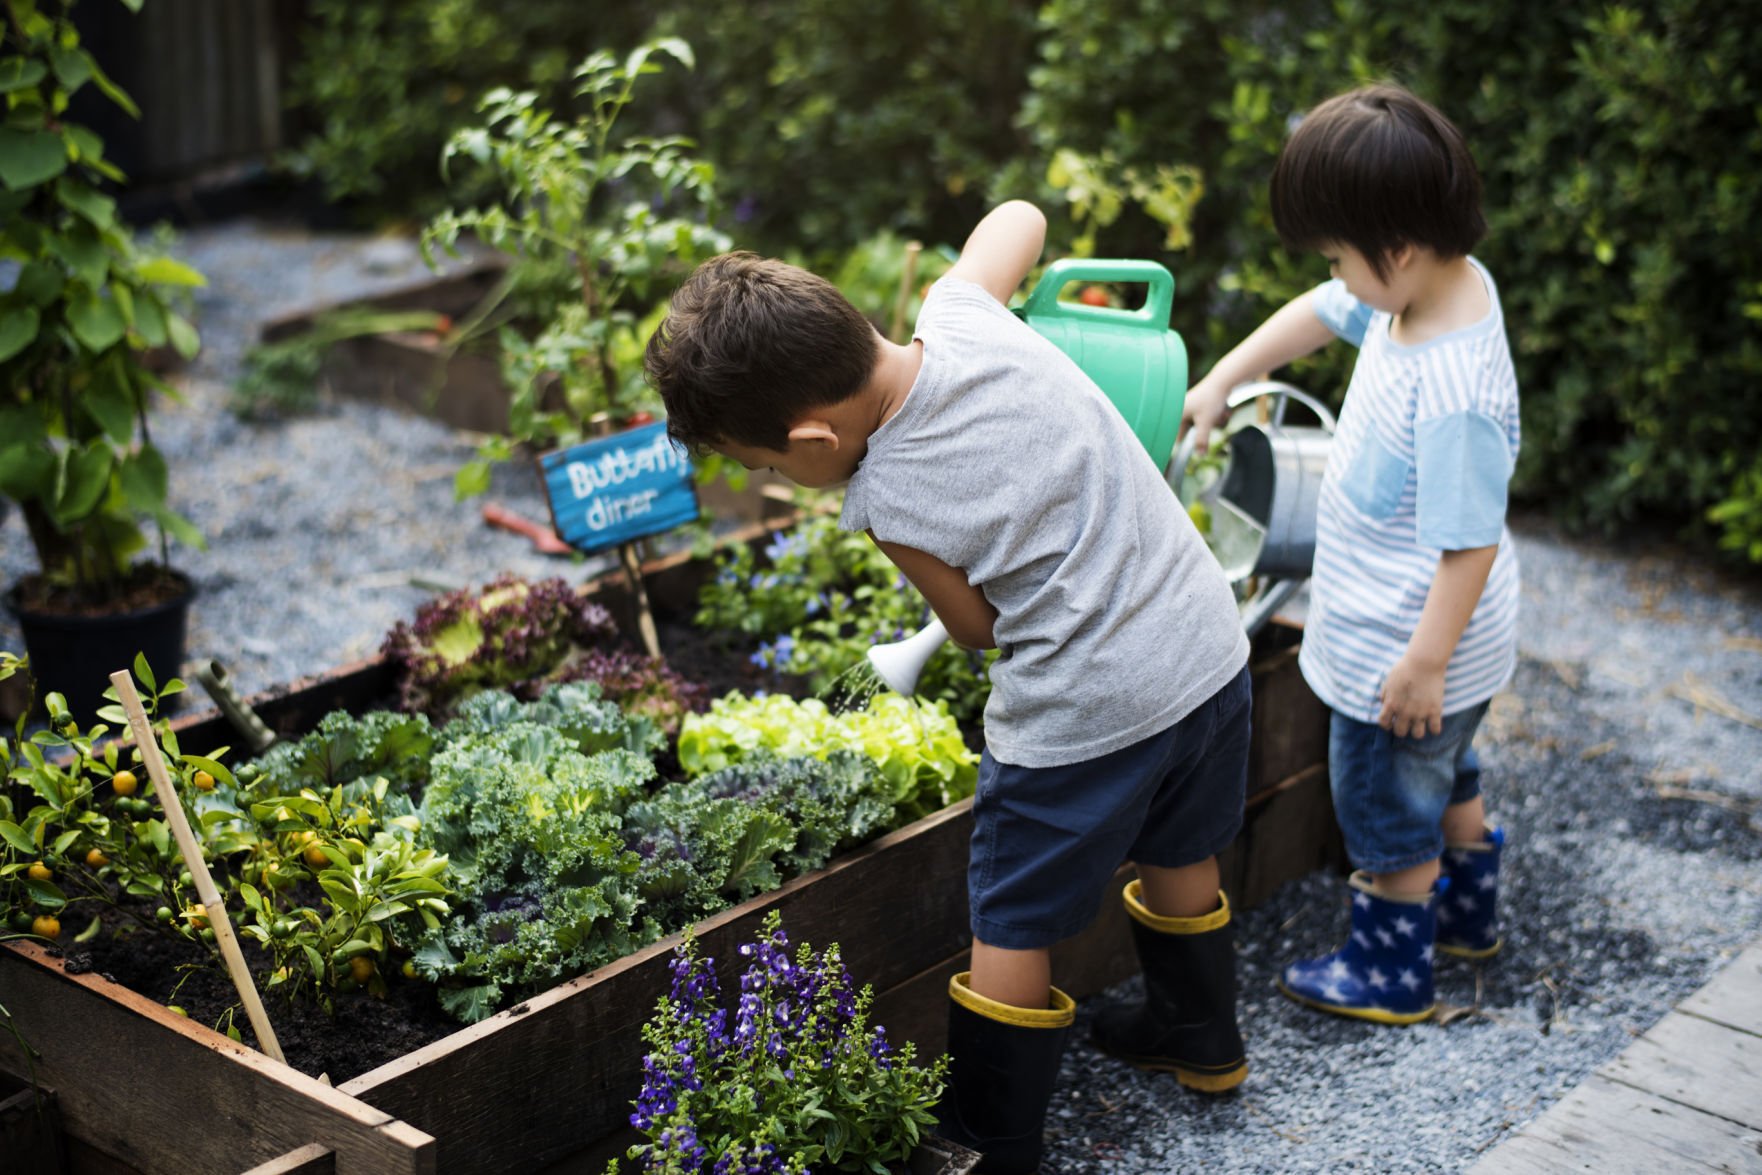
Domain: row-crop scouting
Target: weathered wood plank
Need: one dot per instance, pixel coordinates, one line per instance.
(312, 1159)
(134, 1081)
(1606, 1127)
(1733, 997)
(1693, 1062)
(581, 1042)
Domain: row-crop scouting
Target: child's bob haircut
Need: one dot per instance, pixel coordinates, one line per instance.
(749, 345)
(1377, 168)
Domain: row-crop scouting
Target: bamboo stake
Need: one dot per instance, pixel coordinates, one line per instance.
(212, 906)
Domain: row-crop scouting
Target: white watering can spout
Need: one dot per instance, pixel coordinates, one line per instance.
(900, 663)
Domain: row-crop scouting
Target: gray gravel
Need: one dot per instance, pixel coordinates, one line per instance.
(1635, 863)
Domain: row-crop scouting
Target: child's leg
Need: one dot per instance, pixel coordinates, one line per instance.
(1021, 979)
(1466, 823)
(1468, 918)
(1186, 892)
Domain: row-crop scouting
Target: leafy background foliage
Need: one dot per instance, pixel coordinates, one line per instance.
(1619, 145)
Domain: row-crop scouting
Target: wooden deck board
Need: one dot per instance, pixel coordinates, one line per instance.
(1686, 1096)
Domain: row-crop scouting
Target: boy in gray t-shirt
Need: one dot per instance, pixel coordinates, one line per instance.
(1013, 495)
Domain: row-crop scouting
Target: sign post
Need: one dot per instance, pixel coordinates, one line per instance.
(615, 489)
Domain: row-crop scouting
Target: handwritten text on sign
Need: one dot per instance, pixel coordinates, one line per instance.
(613, 489)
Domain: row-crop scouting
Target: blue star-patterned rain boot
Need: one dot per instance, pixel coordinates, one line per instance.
(1384, 972)
(1468, 916)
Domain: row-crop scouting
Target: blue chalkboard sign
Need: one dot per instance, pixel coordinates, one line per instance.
(613, 489)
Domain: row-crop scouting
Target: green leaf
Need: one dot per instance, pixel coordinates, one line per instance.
(62, 841)
(144, 673)
(28, 158)
(27, 471)
(14, 836)
(18, 330)
(73, 67)
(82, 250)
(20, 73)
(90, 932)
(165, 271)
(144, 480)
(82, 480)
(150, 319)
(39, 283)
(183, 336)
(181, 529)
(96, 207)
(472, 479)
(95, 321)
(111, 401)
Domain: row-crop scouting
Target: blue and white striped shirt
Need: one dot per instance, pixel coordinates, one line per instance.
(1425, 446)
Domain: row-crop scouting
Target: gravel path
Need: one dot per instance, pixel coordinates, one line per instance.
(1623, 761)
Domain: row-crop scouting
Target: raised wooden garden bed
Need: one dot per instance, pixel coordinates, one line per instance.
(548, 1084)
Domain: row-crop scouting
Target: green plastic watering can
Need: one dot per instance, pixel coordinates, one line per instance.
(1132, 355)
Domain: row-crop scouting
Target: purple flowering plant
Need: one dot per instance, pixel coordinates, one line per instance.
(791, 1079)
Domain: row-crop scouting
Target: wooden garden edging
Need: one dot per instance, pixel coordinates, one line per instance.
(551, 1080)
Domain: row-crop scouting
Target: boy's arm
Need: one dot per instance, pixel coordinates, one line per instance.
(1292, 332)
(1413, 692)
(1002, 248)
(962, 608)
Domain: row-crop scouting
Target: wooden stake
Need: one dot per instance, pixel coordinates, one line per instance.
(212, 906)
(601, 423)
(908, 276)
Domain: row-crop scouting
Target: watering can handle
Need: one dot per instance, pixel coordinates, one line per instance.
(1158, 304)
(1239, 396)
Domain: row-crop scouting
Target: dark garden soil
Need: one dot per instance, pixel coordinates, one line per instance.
(145, 585)
(366, 1031)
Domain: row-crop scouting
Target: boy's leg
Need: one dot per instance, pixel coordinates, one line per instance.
(1186, 892)
(1468, 917)
(1022, 979)
(1391, 796)
(1180, 919)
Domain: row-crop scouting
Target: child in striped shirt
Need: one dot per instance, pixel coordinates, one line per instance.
(1412, 626)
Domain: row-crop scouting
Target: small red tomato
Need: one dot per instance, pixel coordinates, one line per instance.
(1093, 296)
(638, 419)
(443, 323)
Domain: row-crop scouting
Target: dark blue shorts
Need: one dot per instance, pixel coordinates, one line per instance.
(1046, 840)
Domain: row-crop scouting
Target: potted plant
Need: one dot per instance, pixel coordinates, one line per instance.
(84, 308)
(791, 1079)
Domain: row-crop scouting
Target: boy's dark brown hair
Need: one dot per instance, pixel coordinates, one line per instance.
(749, 345)
(1377, 168)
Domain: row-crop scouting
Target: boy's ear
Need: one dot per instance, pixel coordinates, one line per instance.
(1402, 255)
(814, 432)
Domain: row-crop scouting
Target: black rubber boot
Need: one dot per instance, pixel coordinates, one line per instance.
(1186, 1024)
(1003, 1063)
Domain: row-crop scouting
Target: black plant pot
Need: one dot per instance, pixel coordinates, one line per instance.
(75, 655)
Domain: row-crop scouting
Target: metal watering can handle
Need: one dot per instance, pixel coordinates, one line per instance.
(1241, 395)
(1153, 315)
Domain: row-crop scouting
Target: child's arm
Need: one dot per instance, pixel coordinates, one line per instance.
(962, 608)
(1413, 692)
(1292, 332)
(1002, 248)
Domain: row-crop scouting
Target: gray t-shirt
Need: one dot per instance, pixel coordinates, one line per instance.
(1114, 622)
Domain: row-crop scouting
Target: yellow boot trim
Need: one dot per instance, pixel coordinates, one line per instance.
(1060, 1015)
(1377, 1015)
(1465, 953)
(1198, 924)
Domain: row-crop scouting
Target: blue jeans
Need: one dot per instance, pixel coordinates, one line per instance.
(1390, 793)
(1046, 840)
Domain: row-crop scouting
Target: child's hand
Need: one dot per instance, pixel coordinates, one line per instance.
(1206, 407)
(1413, 699)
